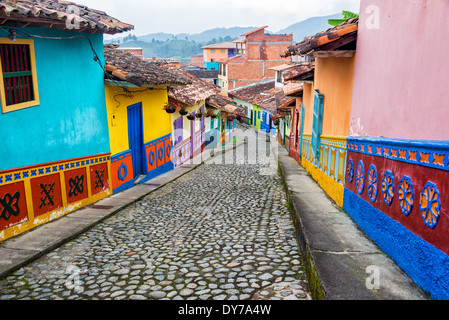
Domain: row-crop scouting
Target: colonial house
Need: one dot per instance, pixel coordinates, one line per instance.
(294, 79)
(397, 172)
(55, 144)
(225, 130)
(140, 130)
(375, 135)
(327, 104)
(196, 118)
(260, 102)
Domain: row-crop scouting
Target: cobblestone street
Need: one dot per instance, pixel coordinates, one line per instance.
(222, 231)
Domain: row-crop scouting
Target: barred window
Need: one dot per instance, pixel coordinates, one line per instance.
(18, 83)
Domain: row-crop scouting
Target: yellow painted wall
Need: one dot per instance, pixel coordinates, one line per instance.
(156, 122)
(329, 185)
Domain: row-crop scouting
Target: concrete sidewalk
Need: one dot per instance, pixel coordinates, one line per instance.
(339, 257)
(31, 245)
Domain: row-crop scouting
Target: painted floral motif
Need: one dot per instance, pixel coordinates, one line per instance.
(360, 177)
(430, 204)
(350, 171)
(122, 172)
(372, 183)
(388, 187)
(406, 195)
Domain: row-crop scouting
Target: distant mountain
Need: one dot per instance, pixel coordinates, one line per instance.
(160, 36)
(203, 37)
(208, 35)
(182, 46)
(173, 49)
(309, 27)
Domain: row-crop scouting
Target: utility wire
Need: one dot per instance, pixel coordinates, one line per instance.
(13, 32)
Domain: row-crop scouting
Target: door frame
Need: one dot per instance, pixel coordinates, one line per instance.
(138, 150)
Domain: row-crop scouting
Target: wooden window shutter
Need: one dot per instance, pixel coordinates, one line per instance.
(317, 123)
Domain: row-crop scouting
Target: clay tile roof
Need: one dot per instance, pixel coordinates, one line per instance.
(205, 74)
(282, 101)
(264, 94)
(252, 92)
(225, 104)
(320, 40)
(305, 70)
(196, 91)
(123, 66)
(293, 89)
(55, 13)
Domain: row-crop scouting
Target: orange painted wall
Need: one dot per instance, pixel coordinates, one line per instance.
(334, 77)
(308, 107)
(217, 55)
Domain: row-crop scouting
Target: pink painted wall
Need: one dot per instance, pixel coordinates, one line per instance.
(401, 83)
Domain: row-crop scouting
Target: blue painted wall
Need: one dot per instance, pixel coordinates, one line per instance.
(212, 65)
(71, 119)
(424, 263)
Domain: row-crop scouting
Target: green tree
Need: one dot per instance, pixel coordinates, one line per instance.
(346, 15)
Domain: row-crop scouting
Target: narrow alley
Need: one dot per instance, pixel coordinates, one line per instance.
(222, 231)
(269, 151)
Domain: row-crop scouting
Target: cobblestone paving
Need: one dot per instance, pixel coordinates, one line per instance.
(223, 231)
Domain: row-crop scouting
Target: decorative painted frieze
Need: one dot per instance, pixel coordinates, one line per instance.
(34, 195)
(412, 178)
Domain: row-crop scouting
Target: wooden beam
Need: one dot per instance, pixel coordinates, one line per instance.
(334, 54)
(301, 81)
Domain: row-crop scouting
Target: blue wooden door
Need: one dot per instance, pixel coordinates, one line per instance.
(135, 135)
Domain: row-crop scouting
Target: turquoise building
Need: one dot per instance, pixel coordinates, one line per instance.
(55, 149)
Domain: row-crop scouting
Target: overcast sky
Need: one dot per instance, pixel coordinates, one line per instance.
(195, 16)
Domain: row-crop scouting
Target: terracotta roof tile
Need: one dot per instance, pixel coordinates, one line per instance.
(292, 88)
(322, 39)
(263, 94)
(301, 70)
(196, 91)
(205, 74)
(252, 92)
(125, 67)
(55, 13)
(225, 104)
